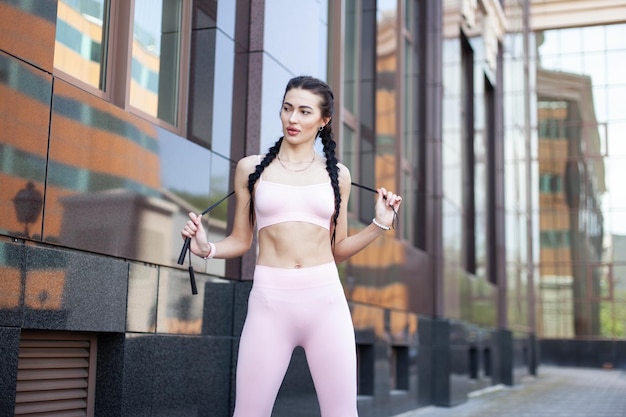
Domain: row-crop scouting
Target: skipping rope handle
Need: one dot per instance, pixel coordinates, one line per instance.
(181, 260)
(185, 249)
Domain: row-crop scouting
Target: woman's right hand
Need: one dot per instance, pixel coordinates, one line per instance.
(193, 229)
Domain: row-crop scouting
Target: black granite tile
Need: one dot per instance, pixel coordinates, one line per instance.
(234, 349)
(11, 283)
(191, 376)
(241, 293)
(240, 305)
(442, 384)
(139, 375)
(110, 375)
(9, 349)
(74, 291)
(583, 353)
(297, 396)
(620, 355)
(217, 316)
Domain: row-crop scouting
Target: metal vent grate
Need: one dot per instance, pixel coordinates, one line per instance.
(54, 375)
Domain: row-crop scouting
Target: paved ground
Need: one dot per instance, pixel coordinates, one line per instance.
(555, 392)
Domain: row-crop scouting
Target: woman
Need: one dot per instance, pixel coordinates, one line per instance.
(298, 201)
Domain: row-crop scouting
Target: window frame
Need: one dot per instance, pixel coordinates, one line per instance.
(72, 79)
(119, 24)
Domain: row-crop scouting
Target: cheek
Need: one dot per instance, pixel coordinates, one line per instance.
(312, 125)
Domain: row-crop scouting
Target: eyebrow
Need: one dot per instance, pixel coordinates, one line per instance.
(300, 107)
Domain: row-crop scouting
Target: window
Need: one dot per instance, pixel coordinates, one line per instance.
(380, 104)
(409, 126)
(132, 53)
(349, 154)
(156, 52)
(550, 183)
(552, 117)
(81, 39)
(492, 156)
(359, 100)
(469, 157)
(553, 239)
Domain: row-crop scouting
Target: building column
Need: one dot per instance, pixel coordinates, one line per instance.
(502, 357)
(247, 94)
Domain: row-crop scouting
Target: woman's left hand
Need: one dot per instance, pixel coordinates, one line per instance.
(387, 206)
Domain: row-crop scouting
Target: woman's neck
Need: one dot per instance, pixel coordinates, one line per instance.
(296, 154)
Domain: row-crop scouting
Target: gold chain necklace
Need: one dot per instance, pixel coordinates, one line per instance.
(296, 170)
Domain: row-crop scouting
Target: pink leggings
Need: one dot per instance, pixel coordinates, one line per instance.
(297, 307)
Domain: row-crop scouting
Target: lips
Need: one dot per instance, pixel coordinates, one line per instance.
(293, 131)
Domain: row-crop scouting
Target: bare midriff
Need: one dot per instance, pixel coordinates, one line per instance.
(294, 245)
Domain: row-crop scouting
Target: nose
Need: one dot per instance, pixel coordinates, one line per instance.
(293, 117)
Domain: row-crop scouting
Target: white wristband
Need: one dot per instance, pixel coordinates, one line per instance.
(382, 226)
(211, 254)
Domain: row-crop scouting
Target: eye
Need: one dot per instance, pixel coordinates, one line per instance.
(306, 112)
(286, 109)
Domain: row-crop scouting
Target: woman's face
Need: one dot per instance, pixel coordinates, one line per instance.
(301, 116)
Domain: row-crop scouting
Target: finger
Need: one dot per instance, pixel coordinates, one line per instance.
(380, 195)
(186, 233)
(194, 217)
(191, 226)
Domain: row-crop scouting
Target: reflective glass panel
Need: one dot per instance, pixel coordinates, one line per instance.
(156, 58)
(580, 170)
(351, 65)
(80, 49)
(349, 158)
(24, 118)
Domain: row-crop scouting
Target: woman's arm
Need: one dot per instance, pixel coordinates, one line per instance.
(239, 240)
(346, 246)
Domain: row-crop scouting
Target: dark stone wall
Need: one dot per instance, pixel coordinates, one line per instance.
(583, 353)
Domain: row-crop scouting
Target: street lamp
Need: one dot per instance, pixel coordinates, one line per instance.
(28, 202)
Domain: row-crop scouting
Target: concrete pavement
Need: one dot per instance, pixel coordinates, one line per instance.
(555, 392)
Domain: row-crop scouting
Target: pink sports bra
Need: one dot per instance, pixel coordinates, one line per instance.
(277, 203)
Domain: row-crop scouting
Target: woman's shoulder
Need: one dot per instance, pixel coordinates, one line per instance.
(343, 170)
(344, 175)
(248, 163)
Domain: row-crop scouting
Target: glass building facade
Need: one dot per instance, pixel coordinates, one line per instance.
(119, 117)
(580, 123)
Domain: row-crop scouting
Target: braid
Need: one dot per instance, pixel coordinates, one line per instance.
(333, 171)
(326, 134)
(253, 178)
